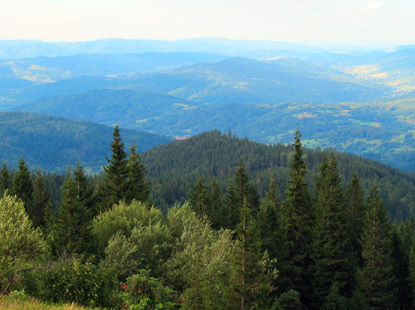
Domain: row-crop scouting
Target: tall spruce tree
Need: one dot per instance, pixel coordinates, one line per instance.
(138, 187)
(357, 213)
(402, 272)
(331, 244)
(199, 197)
(115, 186)
(22, 187)
(229, 213)
(5, 179)
(72, 231)
(215, 204)
(238, 192)
(42, 206)
(251, 279)
(296, 227)
(268, 216)
(376, 280)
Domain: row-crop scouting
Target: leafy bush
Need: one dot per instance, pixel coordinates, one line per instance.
(74, 280)
(20, 243)
(122, 219)
(143, 292)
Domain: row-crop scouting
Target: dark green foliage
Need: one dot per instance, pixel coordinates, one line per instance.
(296, 228)
(72, 230)
(376, 281)
(5, 179)
(199, 198)
(405, 286)
(229, 213)
(288, 301)
(216, 204)
(238, 193)
(74, 281)
(138, 187)
(268, 217)
(22, 187)
(356, 217)
(115, 185)
(142, 292)
(335, 300)
(41, 202)
(251, 280)
(331, 243)
(174, 168)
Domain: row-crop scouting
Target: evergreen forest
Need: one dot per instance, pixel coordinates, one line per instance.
(211, 222)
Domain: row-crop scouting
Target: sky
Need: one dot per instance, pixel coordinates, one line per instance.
(346, 22)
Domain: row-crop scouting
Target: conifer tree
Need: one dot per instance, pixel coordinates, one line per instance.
(115, 185)
(402, 272)
(215, 204)
(331, 240)
(251, 279)
(229, 213)
(376, 280)
(5, 179)
(22, 187)
(268, 216)
(199, 198)
(85, 190)
(295, 233)
(138, 187)
(236, 194)
(42, 206)
(72, 231)
(357, 213)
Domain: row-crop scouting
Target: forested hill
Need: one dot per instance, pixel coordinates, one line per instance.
(173, 169)
(52, 143)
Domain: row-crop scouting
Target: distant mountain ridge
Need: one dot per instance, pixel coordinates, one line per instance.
(12, 49)
(52, 143)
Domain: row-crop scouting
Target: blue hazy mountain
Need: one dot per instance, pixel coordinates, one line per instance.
(53, 143)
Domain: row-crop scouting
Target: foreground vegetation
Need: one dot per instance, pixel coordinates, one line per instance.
(107, 246)
(19, 301)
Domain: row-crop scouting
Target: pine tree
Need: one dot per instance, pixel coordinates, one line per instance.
(215, 204)
(22, 187)
(236, 194)
(376, 280)
(295, 233)
(115, 185)
(402, 272)
(268, 216)
(199, 198)
(251, 279)
(357, 213)
(5, 179)
(138, 187)
(331, 240)
(229, 213)
(72, 231)
(244, 190)
(42, 206)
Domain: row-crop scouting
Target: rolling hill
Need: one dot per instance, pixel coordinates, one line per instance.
(173, 168)
(52, 143)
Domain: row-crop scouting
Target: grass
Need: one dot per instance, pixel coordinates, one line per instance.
(23, 302)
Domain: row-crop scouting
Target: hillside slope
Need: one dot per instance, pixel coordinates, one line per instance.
(53, 143)
(173, 168)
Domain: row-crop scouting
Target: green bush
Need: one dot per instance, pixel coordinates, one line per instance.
(143, 292)
(74, 280)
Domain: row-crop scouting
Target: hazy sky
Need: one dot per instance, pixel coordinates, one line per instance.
(358, 22)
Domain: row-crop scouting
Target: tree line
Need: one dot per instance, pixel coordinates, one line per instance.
(107, 246)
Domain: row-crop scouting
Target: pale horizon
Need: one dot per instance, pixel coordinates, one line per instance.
(336, 22)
